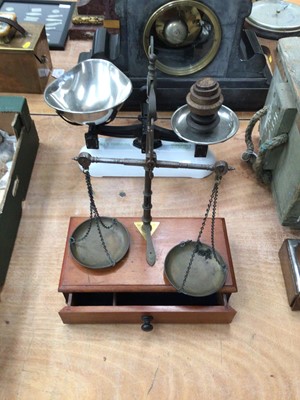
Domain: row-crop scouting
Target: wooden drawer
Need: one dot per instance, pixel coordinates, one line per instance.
(88, 308)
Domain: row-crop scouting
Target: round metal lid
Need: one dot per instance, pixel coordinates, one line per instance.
(89, 251)
(275, 16)
(207, 274)
(226, 128)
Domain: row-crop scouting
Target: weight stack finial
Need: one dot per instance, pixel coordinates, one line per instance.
(204, 100)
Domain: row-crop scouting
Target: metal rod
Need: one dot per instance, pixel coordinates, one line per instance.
(142, 163)
(147, 204)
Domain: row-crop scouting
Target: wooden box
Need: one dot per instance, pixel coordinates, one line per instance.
(16, 121)
(25, 62)
(134, 292)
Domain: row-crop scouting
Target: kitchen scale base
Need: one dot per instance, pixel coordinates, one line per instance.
(134, 292)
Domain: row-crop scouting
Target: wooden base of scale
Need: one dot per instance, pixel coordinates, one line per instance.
(134, 292)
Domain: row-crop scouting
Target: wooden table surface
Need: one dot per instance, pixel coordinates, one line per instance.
(256, 357)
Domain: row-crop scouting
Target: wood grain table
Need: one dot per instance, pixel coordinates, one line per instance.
(256, 357)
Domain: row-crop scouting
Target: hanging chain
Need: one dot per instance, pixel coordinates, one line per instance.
(211, 203)
(93, 208)
(94, 215)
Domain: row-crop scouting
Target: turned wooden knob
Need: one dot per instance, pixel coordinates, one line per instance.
(146, 325)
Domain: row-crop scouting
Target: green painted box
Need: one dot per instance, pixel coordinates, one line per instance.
(283, 119)
(18, 128)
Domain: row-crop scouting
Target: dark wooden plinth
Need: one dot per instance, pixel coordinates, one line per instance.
(83, 32)
(132, 289)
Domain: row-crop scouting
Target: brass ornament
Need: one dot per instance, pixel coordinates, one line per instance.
(87, 19)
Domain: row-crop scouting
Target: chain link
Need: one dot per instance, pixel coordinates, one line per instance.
(211, 203)
(95, 216)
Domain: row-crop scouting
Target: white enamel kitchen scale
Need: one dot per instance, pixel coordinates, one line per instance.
(94, 91)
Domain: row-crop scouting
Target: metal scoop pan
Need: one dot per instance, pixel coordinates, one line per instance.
(89, 93)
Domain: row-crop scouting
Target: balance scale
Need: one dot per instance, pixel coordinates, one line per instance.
(112, 271)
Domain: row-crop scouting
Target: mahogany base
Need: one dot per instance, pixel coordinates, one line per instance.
(134, 292)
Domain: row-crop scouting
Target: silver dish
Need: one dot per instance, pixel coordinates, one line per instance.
(226, 128)
(89, 93)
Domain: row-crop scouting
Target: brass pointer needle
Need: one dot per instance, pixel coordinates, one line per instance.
(150, 255)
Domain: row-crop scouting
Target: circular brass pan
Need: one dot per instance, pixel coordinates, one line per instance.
(199, 47)
(90, 252)
(207, 274)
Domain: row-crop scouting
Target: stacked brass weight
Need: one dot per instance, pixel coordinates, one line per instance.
(204, 101)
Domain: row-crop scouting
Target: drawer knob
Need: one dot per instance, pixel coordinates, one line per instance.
(146, 325)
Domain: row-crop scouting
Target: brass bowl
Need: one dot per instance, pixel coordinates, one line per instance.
(88, 250)
(207, 274)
